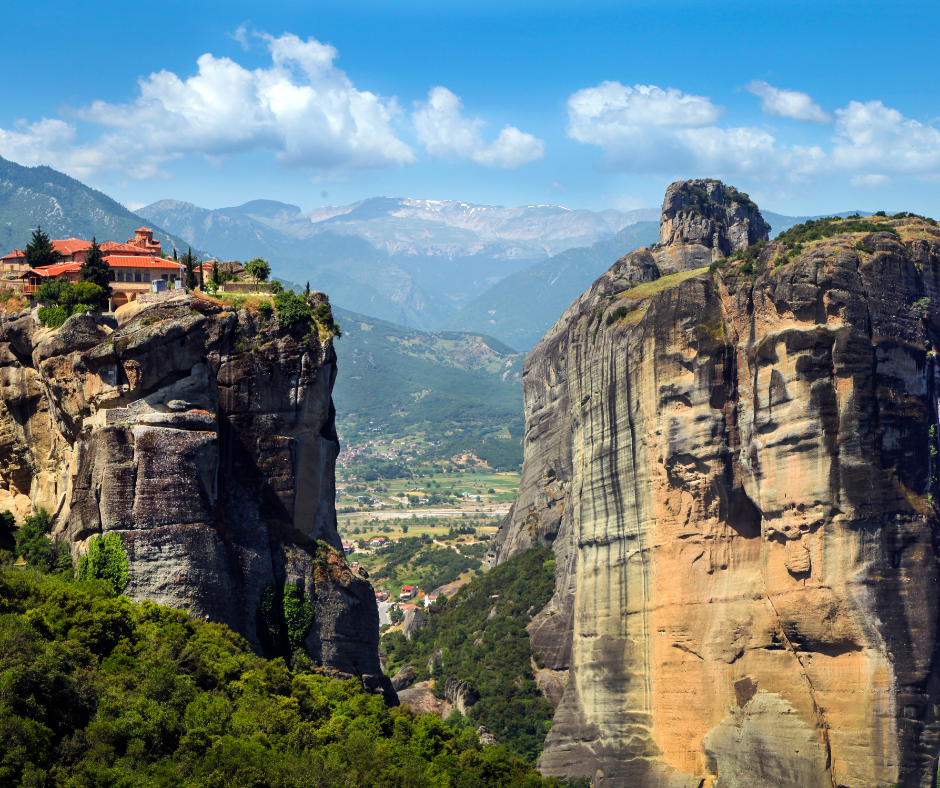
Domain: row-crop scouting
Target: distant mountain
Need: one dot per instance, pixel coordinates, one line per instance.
(413, 262)
(461, 390)
(519, 309)
(355, 274)
(65, 208)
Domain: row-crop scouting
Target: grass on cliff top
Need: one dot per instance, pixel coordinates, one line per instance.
(649, 289)
(101, 691)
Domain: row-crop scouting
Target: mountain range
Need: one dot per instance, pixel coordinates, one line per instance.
(413, 262)
(461, 390)
(441, 265)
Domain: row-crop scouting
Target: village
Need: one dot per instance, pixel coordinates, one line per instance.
(401, 603)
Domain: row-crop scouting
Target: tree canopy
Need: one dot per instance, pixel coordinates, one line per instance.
(95, 270)
(258, 268)
(98, 690)
(40, 251)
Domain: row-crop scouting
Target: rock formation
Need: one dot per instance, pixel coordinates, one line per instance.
(205, 438)
(736, 466)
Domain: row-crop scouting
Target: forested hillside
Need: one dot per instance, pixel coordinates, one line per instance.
(99, 692)
(480, 638)
(459, 390)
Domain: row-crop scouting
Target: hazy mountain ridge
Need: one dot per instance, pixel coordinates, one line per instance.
(405, 380)
(451, 228)
(356, 275)
(519, 309)
(65, 207)
(411, 261)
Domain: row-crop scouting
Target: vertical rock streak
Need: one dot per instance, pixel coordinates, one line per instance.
(746, 589)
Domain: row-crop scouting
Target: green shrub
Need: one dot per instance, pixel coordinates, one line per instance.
(298, 615)
(617, 314)
(865, 248)
(32, 542)
(293, 312)
(818, 229)
(106, 560)
(265, 308)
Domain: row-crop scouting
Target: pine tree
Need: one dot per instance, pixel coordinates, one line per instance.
(95, 269)
(215, 274)
(202, 280)
(189, 262)
(40, 251)
(307, 290)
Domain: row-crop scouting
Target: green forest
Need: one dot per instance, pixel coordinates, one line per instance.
(97, 691)
(481, 632)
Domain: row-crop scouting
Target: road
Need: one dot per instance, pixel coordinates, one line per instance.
(383, 613)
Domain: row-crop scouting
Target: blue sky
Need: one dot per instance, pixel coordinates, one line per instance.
(809, 107)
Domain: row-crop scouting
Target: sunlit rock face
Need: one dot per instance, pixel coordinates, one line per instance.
(738, 477)
(205, 438)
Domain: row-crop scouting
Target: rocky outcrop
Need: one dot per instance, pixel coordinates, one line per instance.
(736, 469)
(403, 678)
(205, 438)
(414, 619)
(460, 695)
(709, 214)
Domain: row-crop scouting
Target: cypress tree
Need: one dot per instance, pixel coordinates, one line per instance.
(202, 280)
(95, 269)
(215, 273)
(189, 261)
(40, 251)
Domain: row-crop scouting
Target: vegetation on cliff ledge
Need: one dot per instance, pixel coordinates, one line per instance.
(97, 692)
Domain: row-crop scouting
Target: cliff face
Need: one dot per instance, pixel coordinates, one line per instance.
(738, 476)
(204, 437)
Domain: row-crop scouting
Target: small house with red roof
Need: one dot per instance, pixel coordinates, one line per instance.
(408, 592)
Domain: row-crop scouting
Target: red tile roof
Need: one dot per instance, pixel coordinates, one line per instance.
(143, 230)
(71, 245)
(111, 247)
(54, 270)
(14, 253)
(131, 261)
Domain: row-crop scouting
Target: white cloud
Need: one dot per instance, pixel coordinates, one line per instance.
(781, 103)
(870, 181)
(446, 134)
(604, 114)
(648, 129)
(873, 138)
(301, 107)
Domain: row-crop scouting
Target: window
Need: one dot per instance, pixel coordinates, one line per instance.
(165, 277)
(110, 276)
(120, 276)
(146, 276)
(137, 276)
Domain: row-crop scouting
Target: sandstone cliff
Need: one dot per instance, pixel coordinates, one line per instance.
(205, 438)
(737, 473)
